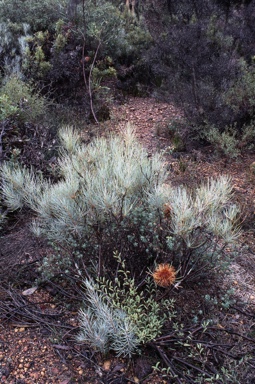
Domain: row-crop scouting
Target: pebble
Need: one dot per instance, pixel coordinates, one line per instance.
(107, 365)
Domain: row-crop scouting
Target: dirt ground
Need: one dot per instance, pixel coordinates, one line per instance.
(31, 353)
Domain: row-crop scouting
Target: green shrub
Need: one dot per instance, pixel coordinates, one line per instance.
(6, 108)
(225, 142)
(40, 15)
(52, 52)
(35, 64)
(231, 142)
(20, 99)
(241, 95)
(248, 135)
(130, 35)
(118, 316)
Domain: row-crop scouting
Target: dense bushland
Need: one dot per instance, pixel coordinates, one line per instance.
(74, 44)
(200, 53)
(204, 58)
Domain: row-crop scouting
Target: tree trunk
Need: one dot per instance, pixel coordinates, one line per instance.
(72, 9)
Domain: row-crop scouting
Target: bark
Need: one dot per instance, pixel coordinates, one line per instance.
(72, 9)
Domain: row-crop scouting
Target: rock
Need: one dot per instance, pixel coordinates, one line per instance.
(107, 365)
(29, 291)
(142, 367)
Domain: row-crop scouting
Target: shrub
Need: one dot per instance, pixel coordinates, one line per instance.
(225, 142)
(6, 108)
(240, 96)
(112, 196)
(198, 225)
(35, 63)
(101, 199)
(40, 15)
(26, 133)
(105, 328)
(20, 107)
(129, 37)
(53, 52)
(26, 103)
(205, 60)
(118, 316)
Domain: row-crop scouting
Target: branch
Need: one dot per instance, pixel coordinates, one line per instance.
(90, 89)
(167, 362)
(1, 144)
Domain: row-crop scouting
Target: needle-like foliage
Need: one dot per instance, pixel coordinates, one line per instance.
(112, 196)
(118, 316)
(104, 327)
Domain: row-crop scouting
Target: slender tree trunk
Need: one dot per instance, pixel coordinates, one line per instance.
(72, 9)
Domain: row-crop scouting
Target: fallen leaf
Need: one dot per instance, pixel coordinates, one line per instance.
(29, 291)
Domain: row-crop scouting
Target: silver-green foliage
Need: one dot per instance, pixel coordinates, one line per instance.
(2, 217)
(21, 186)
(120, 317)
(103, 181)
(111, 196)
(199, 225)
(206, 210)
(104, 327)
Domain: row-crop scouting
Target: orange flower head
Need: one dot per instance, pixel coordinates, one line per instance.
(164, 275)
(167, 210)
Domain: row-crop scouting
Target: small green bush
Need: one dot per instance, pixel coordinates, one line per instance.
(225, 142)
(6, 108)
(241, 95)
(118, 316)
(20, 100)
(130, 35)
(35, 60)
